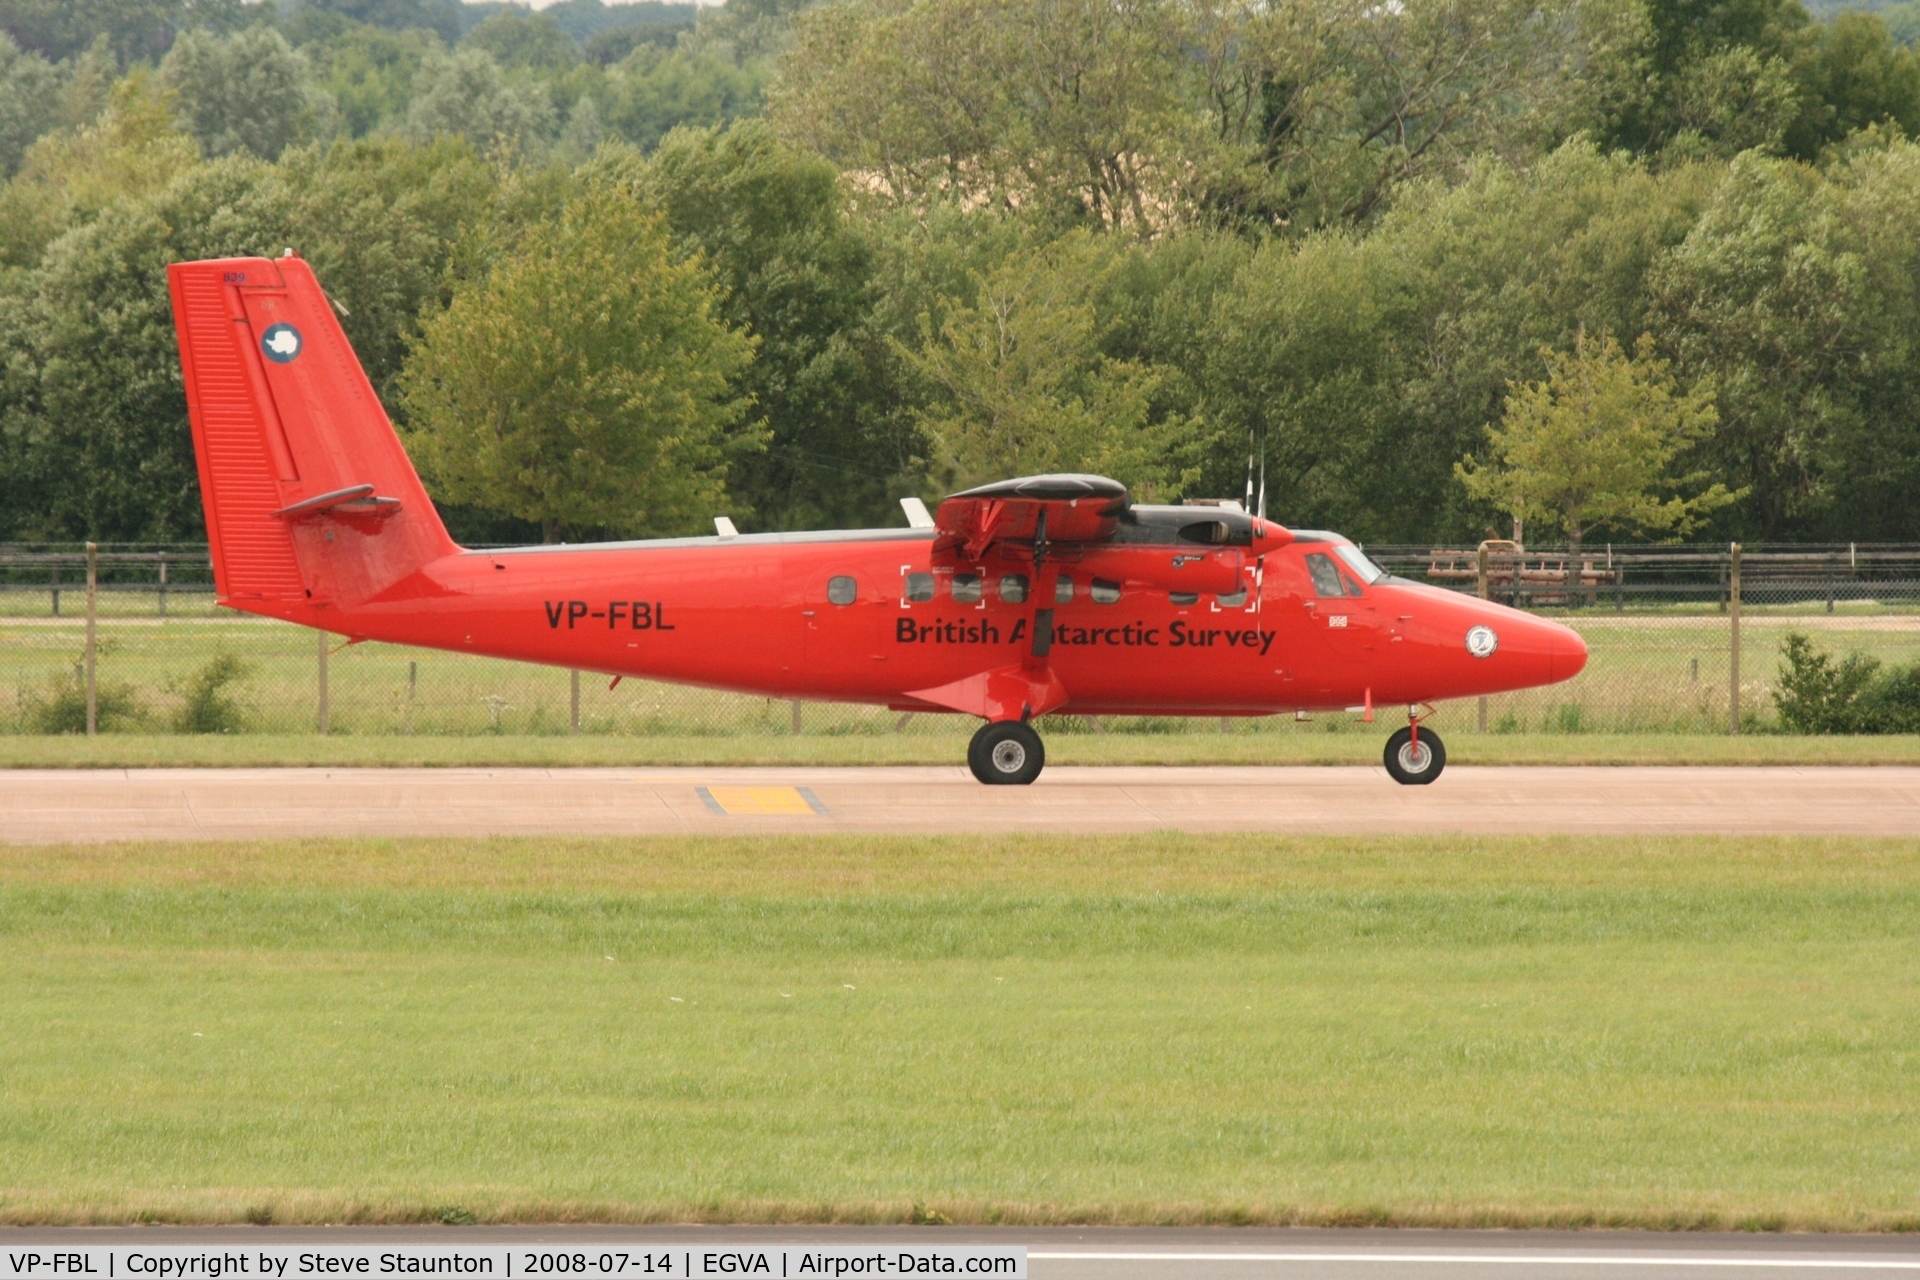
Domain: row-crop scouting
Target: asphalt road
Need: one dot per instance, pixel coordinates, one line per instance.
(42, 805)
(1164, 1253)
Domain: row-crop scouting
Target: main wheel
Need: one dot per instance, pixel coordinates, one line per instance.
(1006, 754)
(1415, 763)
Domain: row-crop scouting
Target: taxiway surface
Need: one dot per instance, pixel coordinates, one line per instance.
(40, 806)
(1177, 1253)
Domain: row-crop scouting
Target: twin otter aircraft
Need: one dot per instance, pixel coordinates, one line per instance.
(1051, 593)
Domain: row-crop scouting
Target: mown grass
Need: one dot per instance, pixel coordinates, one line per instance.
(1648, 674)
(139, 751)
(1166, 1028)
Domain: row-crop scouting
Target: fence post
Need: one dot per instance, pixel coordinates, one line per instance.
(573, 711)
(93, 691)
(1483, 590)
(163, 584)
(1733, 639)
(325, 717)
(796, 717)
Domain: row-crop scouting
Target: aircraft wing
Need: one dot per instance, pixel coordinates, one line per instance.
(1032, 512)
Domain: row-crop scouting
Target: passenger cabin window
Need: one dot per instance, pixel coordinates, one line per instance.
(1105, 592)
(920, 587)
(1233, 599)
(840, 590)
(966, 588)
(1184, 598)
(1326, 578)
(1013, 588)
(1063, 590)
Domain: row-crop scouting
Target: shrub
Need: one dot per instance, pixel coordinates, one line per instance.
(1819, 695)
(61, 705)
(1891, 703)
(208, 707)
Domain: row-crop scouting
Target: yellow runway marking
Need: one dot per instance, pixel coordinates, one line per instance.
(743, 801)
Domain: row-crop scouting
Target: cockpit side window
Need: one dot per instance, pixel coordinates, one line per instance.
(1366, 570)
(1326, 578)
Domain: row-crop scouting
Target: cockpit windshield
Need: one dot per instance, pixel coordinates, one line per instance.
(1366, 570)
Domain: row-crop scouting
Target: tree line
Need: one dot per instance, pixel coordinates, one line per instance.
(1616, 266)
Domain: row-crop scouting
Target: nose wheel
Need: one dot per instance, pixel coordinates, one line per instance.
(1415, 759)
(1007, 753)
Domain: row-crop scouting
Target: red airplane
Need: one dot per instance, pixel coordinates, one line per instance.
(1045, 594)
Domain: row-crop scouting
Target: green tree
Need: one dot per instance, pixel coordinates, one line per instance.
(246, 92)
(587, 383)
(382, 220)
(369, 72)
(1852, 76)
(131, 151)
(1767, 297)
(1065, 109)
(1369, 364)
(655, 90)
(1713, 75)
(1143, 116)
(773, 224)
(1903, 22)
(444, 18)
(135, 31)
(464, 95)
(1595, 444)
(1022, 386)
(524, 42)
(29, 102)
(93, 423)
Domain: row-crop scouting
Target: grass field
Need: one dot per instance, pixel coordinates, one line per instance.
(1648, 674)
(1360, 744)
(1650, 1032)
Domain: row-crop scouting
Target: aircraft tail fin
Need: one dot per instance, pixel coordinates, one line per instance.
(310, 499)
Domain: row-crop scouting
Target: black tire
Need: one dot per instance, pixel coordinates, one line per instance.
(1415, 767)
(1007, 754)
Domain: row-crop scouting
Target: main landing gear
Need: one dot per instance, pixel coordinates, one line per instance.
(1415, 756)
(1006, 753)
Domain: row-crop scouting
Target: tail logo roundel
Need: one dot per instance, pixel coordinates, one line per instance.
(281, 342)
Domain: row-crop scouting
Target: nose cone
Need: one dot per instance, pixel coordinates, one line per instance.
(1507, 650)
(1569, 654)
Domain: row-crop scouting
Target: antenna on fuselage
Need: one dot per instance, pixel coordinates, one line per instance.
(1248, 504)
(918, 517)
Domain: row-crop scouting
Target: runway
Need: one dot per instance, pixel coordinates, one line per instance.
(55, 805)
(1166, 1253)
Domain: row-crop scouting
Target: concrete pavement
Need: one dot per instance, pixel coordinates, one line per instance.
(46, 805)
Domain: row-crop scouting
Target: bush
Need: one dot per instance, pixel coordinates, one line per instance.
(1819, 695)
(61, 706)
(1891, 703)
(209, 708)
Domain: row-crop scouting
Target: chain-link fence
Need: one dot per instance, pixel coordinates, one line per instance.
(1672, 632)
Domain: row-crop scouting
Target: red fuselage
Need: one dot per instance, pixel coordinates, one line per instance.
(764, 614)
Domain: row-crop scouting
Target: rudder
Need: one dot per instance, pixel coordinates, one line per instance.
(310, 500)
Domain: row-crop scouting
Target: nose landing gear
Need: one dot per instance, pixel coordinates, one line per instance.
(1006, 753)
(1415, 756)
